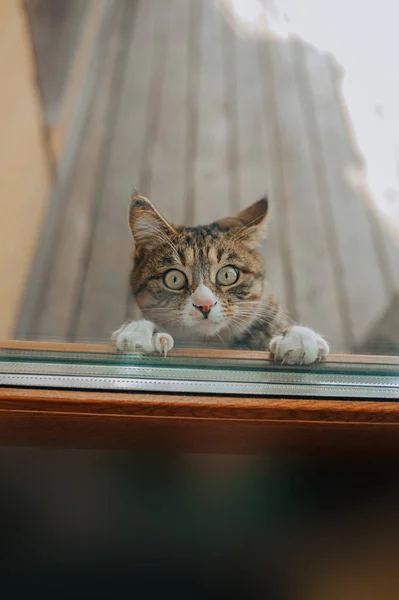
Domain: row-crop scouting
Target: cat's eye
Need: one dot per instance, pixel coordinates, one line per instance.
(227, 275)
(174, 279)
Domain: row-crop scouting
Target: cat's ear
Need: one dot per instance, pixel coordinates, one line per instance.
(147, 225)
(249, 225)
(254, 215)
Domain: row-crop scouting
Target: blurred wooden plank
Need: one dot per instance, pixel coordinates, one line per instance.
(56, 29)
(193, 82)
(383, 336)
(229, 73)
(25, 162)
(105, 292)
(211, 175)
(391, 249)
(36, 286)
(165, 167)
(60, 117)
(67, 270)
(355, 251)
(256, 141)
(314, 290)
(392, 235)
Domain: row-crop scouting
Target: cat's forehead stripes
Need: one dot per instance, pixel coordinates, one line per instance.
(212, 254)
(201, 247)
(188, 254)
(198, 251)
(198, 244)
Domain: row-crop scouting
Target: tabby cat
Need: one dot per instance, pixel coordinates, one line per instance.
(208, 282)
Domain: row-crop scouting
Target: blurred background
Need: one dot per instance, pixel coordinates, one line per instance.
(98, 524)
(203, 106)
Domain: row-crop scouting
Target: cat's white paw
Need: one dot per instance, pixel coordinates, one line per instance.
(298, 346)
(140, 336)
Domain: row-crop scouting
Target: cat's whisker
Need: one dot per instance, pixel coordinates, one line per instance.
(160, 309)
(173, 316)
(157, 234)
(243, 230)
(175, 319)
(259, 319)
(235, 329)
(238, 319)
(220, 337)
(238, 323)
(253, 313)
(265, 311)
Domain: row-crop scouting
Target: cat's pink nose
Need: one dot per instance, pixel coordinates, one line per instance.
(204, 307)
(203, 299)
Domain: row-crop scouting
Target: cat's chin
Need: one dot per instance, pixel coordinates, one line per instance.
(204, 329)
(199, 330)
(207, 328)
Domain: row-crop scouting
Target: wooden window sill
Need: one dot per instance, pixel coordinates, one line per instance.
(194, 423)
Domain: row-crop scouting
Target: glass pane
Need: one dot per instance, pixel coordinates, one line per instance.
(215, 174)
(198, 374)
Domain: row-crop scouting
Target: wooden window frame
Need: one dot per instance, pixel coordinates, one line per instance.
(196, 422)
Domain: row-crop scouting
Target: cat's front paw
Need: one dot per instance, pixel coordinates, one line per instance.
(298, 346)
(140, 336)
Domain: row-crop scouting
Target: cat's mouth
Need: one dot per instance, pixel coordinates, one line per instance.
(209, 327)
(203, 321)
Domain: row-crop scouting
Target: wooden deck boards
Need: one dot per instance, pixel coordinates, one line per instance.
(315, 292)
(60, 298)
(212, 199)
(359, 271)
(256, 129)
(166, 169)
(110, 257)
(205, 122)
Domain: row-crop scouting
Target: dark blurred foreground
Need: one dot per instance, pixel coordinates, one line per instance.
(112, 525)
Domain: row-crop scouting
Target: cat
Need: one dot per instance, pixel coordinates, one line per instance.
(208, 283)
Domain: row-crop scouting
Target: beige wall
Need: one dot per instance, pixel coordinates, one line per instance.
(24, 165)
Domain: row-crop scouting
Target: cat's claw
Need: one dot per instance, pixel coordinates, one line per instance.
(163, 343)
(298, 345)
(140, 337)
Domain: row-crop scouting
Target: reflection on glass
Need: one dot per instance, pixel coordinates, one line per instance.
(204, 107)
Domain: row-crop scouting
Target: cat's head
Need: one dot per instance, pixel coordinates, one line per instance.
(206, 279)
